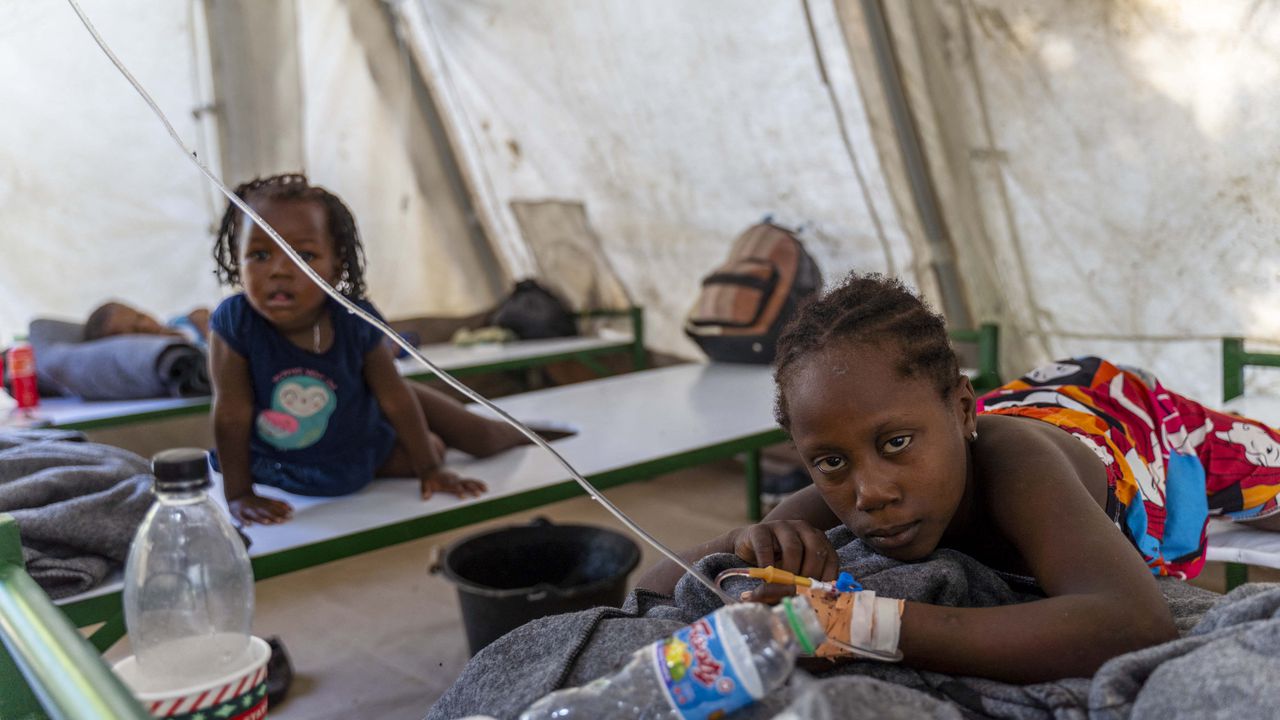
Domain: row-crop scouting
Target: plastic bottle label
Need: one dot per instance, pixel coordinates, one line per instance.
(695, 670)
(22, 376)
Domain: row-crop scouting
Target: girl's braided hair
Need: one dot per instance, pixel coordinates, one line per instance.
(294, 186)
(870, 309)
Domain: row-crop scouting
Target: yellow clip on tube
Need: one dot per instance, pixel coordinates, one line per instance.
(773, 575)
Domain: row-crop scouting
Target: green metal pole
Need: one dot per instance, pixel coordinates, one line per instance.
(638, 356)
(107, 635)
(62, 670)
(1234, 359)
(1237, 575)
(989, 356)
(1232, 368)
(593, 366)
(16, 698)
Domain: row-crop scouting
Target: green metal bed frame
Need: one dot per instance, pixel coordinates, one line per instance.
(50, 632)
(588, 357)
(1234, 360)
(46, 669)
(987, 338)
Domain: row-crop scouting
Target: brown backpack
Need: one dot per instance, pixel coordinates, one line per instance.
(745, 302)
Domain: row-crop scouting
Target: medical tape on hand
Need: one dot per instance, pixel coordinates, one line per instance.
(859, 619)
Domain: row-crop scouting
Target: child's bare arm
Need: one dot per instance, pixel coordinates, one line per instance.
(410, 422)
(232, 425)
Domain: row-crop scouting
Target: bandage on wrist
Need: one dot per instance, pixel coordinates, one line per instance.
(858, 619)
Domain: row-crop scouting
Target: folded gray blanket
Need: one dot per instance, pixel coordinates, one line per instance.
(77, 505)
(120, 367)
(1227, 659)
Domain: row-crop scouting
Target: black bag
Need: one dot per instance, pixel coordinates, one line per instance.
(745, 303)
(532, 311)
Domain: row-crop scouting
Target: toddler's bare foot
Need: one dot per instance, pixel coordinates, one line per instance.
(508, 437)
(553, 433)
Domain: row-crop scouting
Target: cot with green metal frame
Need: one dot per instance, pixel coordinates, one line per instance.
(1235, 544)
(631, 427)
(76, 414)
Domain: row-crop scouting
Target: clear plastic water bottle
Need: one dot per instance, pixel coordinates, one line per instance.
(724, 661)
(188, 584)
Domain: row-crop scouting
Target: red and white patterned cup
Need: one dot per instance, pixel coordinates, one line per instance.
(238, 695)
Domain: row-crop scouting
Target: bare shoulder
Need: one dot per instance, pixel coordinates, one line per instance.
(1012, 452)
(1045, 492)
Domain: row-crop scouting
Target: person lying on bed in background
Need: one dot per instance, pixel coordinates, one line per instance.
(1058, 476)
(117, 318)
(307, 397)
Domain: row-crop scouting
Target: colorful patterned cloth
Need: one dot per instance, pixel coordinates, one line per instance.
(1171, 462)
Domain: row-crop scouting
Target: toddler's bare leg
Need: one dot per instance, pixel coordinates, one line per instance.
(399, 464)
(462, 429)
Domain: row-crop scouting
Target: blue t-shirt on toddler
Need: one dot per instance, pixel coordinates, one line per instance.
(318, 429)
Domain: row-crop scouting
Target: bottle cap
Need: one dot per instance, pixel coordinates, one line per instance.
(804, 623)
(181, 469)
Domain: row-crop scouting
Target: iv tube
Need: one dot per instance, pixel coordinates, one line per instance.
(590, 489)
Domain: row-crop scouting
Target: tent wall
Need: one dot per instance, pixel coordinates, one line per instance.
(99, 203)
(1119, 157)
(254, 54)
(96, 200)
(363, 132)
(675, 124)
(1104, 171)
(370, 138)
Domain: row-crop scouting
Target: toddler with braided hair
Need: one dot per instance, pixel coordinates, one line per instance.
(307, 397)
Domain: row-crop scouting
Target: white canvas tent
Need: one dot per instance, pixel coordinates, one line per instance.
(1093, 176)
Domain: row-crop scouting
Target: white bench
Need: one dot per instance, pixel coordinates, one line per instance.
(629, 427)
(1236, 544)
(73, 413)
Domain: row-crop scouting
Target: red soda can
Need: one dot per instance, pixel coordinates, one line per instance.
(21, 360)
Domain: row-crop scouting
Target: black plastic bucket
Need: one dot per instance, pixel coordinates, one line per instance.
(510, 576)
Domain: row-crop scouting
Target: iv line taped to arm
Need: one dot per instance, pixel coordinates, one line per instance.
(857, 622)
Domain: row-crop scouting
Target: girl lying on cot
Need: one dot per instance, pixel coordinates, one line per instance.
(1059, 476)
(306, 396)
(117, 318)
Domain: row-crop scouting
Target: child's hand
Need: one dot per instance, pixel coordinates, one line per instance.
(791, 545)
(445, 481)
(252, 508)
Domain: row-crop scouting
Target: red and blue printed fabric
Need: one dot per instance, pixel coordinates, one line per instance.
(1170, 461)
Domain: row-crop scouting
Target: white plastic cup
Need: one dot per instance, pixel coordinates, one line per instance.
(240, 694)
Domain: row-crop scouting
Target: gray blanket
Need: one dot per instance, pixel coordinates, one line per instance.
(121, 367)
(77, 505)
(1225, 665)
